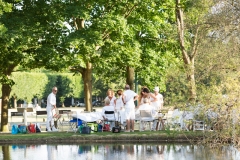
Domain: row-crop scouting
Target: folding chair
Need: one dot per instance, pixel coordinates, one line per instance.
(147, 117)
(110, 115)
(65, 119)
(56, 117)
(74, 122)
(198, 125)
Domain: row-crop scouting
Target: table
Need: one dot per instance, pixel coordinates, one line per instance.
(89, 116)
(95, 116)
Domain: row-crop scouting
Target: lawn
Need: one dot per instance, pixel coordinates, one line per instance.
(70, 137)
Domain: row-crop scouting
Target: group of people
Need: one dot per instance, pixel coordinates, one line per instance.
(125, 100)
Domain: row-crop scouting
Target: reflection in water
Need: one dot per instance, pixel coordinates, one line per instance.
(5, 152)
(116, 151)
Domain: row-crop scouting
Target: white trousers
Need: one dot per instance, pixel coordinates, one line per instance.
(50, 119)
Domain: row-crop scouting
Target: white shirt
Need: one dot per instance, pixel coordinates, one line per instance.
(51, 100)
(119, 103)
(157, 104)
(129, 98)
(111, 101)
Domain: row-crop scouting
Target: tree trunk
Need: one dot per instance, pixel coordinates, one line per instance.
(5, 152)
(86, 73)
(130, 77)
(191, 82)
(87, 79)
(188, 59)
(6, 89)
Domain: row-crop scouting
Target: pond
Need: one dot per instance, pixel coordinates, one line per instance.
(116, 152)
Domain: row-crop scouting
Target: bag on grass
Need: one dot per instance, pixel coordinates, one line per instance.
(31, 128)
(85, 130)
(22, 129)
(15, 129)
(116, 129)
(100, 128)
(106, 127)
(93, 126)
(38, 130)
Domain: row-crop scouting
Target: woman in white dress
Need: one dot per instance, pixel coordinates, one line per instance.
(119, 106)
(145, 93)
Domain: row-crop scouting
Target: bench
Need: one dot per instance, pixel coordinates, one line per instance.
(38, 113)
(64, 111)
(16, 114)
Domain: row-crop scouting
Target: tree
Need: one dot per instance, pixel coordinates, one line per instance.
(190, 35)
(111, 36)
(27, 35)
(5, 7)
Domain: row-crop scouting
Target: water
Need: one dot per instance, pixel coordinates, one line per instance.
(116, 152)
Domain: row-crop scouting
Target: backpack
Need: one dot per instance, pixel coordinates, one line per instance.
(31, 128)
(22, 128)
(15, 129)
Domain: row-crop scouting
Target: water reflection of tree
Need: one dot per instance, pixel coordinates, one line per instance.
(5, 151)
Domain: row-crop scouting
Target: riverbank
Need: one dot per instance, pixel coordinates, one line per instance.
(100, 137)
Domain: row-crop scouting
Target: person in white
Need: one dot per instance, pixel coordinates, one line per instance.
(109, 117)
(129, 97)
(37, 108)
(51, 104)
(111, 97)
(148, 107)
(157, 104)
(119, 106)
(145, 93)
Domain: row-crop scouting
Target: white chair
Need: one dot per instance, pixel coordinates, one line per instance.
(110, 116)
(198, 125)
(146, 117)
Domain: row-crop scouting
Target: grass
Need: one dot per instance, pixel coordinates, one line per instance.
(64, 137)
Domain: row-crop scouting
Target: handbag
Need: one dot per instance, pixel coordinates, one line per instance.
(85, 130)
(116, 129)
(106, 127)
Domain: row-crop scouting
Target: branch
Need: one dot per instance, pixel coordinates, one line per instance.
(195, 45)
(180, 26)
(127, 14)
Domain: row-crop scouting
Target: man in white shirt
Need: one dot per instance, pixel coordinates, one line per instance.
(51, 104)
(159, 103)
(129, 97)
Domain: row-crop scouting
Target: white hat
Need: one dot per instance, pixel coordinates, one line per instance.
(156, 89)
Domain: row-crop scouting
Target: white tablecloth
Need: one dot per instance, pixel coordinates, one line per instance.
(95, 116)
(89, 117)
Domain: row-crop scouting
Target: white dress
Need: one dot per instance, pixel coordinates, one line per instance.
(159, 103)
